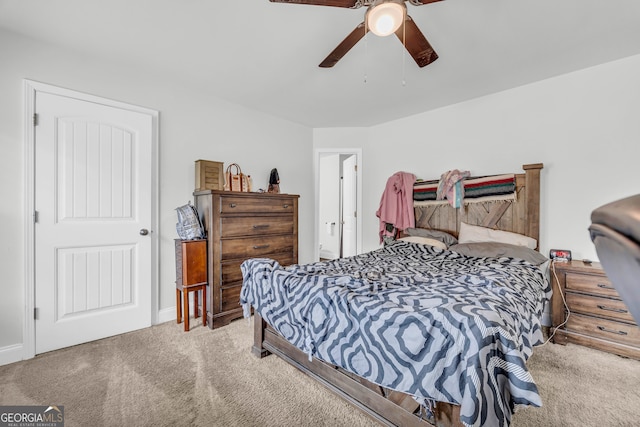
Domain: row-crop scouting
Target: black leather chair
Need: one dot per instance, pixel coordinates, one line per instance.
(615, 232)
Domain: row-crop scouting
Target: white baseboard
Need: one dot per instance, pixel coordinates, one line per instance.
(167, 314)
(11, 354)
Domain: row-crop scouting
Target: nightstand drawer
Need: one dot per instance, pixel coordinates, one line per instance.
(602, 307)
(591, 284)
(609, 330)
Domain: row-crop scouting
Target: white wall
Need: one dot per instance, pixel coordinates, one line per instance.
(584, 127)
(193, 125)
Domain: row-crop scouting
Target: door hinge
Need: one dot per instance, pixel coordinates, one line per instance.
(35, 119)
(35, 313)
(355, 168)
(35, 217)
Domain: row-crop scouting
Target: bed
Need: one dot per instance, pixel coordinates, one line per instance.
(412, 333)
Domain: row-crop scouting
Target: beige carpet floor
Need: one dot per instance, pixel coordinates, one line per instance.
(162, 376)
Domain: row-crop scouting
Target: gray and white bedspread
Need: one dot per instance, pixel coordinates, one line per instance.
(431, 323)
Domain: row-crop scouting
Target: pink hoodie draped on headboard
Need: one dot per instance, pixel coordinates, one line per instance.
(396, 203)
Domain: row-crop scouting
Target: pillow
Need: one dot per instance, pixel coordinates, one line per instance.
(474, 233)
(424, 241)
(497, 249)
(443, 236)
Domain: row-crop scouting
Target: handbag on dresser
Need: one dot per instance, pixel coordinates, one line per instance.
(235, 180)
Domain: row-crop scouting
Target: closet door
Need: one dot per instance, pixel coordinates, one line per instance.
(93, 247)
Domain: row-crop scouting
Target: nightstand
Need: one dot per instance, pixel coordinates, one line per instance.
(598, 317)
(191, 276)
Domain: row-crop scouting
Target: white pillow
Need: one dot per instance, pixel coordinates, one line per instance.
(424, 241)
(474, 233)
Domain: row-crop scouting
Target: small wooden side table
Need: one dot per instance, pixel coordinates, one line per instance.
(191, 277)
(595, 315)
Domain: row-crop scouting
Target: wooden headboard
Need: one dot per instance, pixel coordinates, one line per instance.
(519, 216)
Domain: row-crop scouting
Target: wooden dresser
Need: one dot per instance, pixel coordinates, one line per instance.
(241, 226)
(599, 318)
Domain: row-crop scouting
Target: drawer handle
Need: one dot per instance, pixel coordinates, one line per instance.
(605, 286)
(233, 205)
(260, 246)
(615, 310)
(285, 206)
(602, 328)
(261, 226)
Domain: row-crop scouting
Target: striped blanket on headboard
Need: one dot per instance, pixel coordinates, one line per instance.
(474, 187)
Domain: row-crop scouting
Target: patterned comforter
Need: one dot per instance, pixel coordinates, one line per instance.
(431, 323)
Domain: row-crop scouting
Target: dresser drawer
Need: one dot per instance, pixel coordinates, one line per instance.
(603, 307)
(230, 298)
(231, 269)
(275, 204)
(254, 247)
(232, 280)
(609, 330)
(256, 225)
(597, 285)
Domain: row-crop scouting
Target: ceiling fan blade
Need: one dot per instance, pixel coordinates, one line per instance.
(344, 47)
(354, 4)
(416, 43)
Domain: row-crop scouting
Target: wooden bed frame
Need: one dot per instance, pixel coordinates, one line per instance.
(391, 407)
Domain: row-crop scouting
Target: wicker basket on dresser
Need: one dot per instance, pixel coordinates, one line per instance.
(598, 317)
(241, 226)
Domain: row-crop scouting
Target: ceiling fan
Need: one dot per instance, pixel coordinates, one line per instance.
(383, 17)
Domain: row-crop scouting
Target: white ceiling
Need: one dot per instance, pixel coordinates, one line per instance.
(265, 55)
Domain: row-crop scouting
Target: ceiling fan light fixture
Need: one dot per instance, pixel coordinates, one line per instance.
(384, 18)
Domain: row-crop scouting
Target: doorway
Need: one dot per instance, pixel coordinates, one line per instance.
(92, 247)
(338, 203)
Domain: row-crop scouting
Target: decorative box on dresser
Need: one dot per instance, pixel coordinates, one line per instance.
(240, 226)
(598, 317)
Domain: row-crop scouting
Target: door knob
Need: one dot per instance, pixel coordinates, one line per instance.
(144, 232)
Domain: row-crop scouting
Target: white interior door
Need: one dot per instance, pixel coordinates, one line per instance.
(93, 181)
(323, 179)
(349, 206)
(329, 206)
